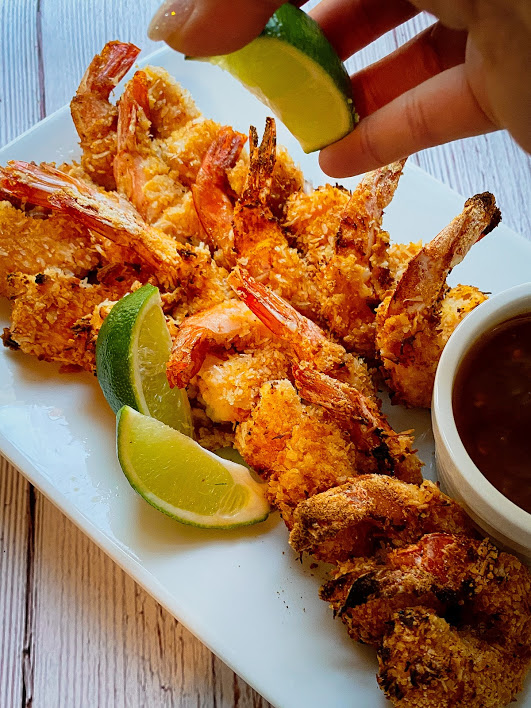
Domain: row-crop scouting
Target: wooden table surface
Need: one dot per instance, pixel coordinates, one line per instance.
(76, 630)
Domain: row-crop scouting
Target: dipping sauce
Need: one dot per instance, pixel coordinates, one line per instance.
(492, 407)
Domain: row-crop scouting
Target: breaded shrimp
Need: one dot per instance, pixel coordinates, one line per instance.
(380, 448)
(142, 168)
(477, 656)
(425, 662)
(229, 353)
(29, 243)
(354, 280)
(94, 117)
(46, 308)
(410, 336)
(355, 519)
(308, 341)
(172, 264)
(294, 446)
(211, 193)
(443, 572)
(312, 221)
(260, 243)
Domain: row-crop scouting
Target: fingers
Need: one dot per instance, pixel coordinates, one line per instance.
(351, 25)
(435, 49)
(210, 27)
(441, 109)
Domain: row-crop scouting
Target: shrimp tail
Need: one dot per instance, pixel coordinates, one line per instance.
(211, 192)
(188, 353)
(133, 114)
(388, 452)
(307, 339)
(262, 162)
(425, 276)
(361, 219)
(107, 69)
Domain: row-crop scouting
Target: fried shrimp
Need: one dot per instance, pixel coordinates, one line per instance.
(356, 277)
(211, 192)
(31, 242)
(259, 240)
(229, 353)
(95, 118)
(355, 519)
(283, 439)
(47, 307)
(380, 448)
(172, 264)
(477, 656)
(441, 572)
(308, 342)
(153, 112)
(410, 335)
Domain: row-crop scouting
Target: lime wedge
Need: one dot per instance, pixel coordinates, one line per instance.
(183, 480)
(295, 71)
(131, 353)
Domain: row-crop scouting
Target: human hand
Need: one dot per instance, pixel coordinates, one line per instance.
(465, 75)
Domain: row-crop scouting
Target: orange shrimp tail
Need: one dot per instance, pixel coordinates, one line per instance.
(188, 353)
(133, 126)
(426, 273)
(36, 184)
(277, 315)
(108, 68)
(134, 99)
(211, 189)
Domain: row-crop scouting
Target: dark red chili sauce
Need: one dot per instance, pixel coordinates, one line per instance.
(492, 407)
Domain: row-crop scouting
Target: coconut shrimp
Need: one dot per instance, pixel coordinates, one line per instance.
(355, 519)
(294, 446)
(30, 242)
(411, 326)
(47, 308)
(307, 340)
(211, 192)
(259, 241)
(465, 579)
(380, 448)
(356, 277)
(478, 654)
(170, 263)
(95, 118)
(154, 112)
(318, 365)
(229, 354)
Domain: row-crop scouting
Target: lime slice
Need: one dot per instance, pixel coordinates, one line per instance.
(131, 353)
(295, 71)
(180, 478)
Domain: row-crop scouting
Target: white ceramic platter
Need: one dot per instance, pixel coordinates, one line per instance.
(243, 593)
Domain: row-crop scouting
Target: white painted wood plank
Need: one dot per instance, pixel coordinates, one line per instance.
(74, 30)
(20, 98)
(14, 527)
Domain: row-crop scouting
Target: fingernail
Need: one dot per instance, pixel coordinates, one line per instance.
(168, 21)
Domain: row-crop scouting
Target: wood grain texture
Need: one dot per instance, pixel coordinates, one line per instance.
(76, 630)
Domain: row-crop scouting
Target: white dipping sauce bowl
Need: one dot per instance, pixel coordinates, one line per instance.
(506, 522)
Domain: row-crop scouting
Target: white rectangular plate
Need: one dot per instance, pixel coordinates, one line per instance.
(243, 593)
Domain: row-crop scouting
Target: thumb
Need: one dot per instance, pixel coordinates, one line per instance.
(210, 27)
